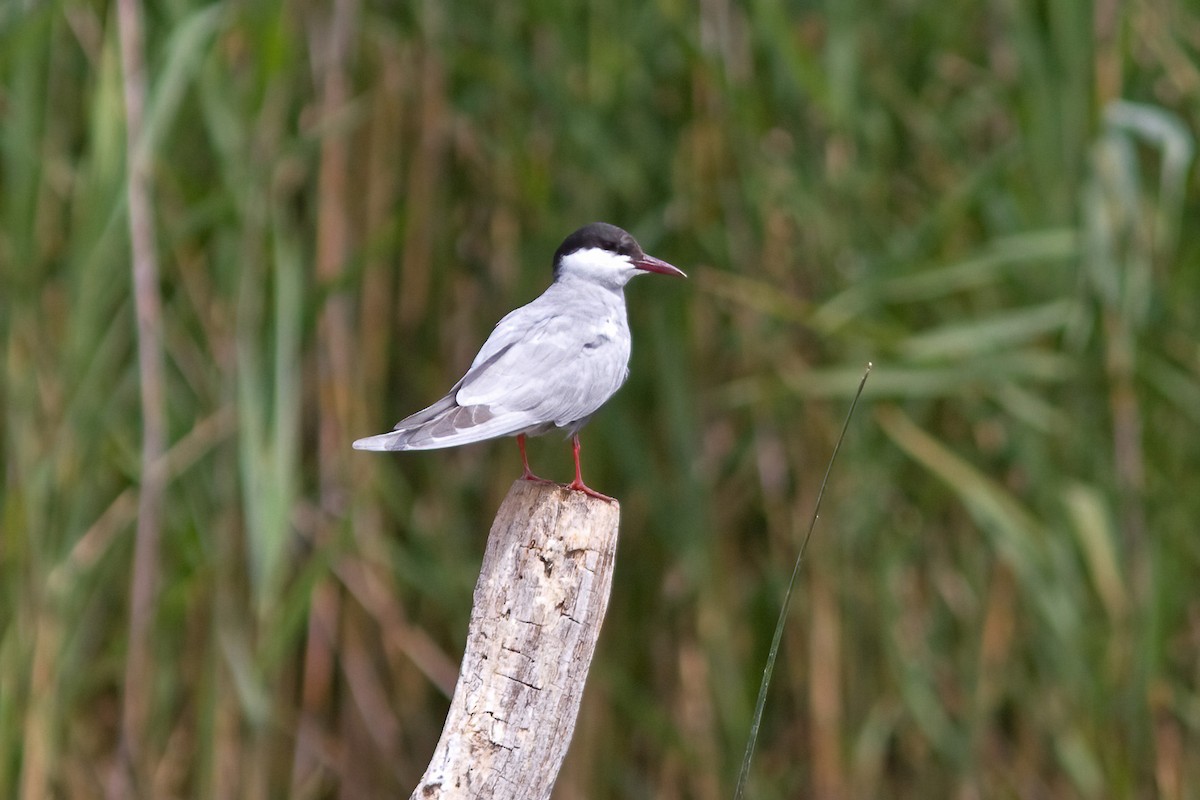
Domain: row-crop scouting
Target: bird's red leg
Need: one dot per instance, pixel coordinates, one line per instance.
(528, 475)
(578, 485)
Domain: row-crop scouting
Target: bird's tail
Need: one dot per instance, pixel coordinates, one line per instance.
(447, 424)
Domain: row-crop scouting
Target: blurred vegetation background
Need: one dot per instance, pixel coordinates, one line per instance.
(996, 203)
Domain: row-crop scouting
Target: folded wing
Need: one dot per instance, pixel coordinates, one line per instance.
(535, 372)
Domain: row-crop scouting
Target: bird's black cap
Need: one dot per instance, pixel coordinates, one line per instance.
(602, 236)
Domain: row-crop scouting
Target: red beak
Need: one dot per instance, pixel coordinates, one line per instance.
(652, 264)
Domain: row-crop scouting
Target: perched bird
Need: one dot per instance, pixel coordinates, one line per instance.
(550, 364)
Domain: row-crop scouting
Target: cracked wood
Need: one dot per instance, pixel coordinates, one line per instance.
(541, 597)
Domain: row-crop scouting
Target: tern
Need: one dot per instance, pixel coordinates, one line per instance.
(548, 365)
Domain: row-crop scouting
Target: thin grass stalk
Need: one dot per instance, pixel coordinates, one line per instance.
(135, 715)
(773, 652)
(334, 351)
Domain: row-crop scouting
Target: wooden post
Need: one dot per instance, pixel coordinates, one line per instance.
(541, 597)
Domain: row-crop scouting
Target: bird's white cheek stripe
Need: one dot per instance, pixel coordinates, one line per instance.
(595, 260)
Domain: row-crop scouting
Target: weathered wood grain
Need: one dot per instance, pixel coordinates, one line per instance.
(541, 597)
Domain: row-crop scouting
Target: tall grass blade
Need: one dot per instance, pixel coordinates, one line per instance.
(132, 769)
(761, 702)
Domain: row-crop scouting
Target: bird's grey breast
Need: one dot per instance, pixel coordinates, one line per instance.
(600, 319)
(600, 361)
(596, 354)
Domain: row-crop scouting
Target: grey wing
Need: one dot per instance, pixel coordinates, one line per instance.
(554, 369)
(536, 371)
(449, 422)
